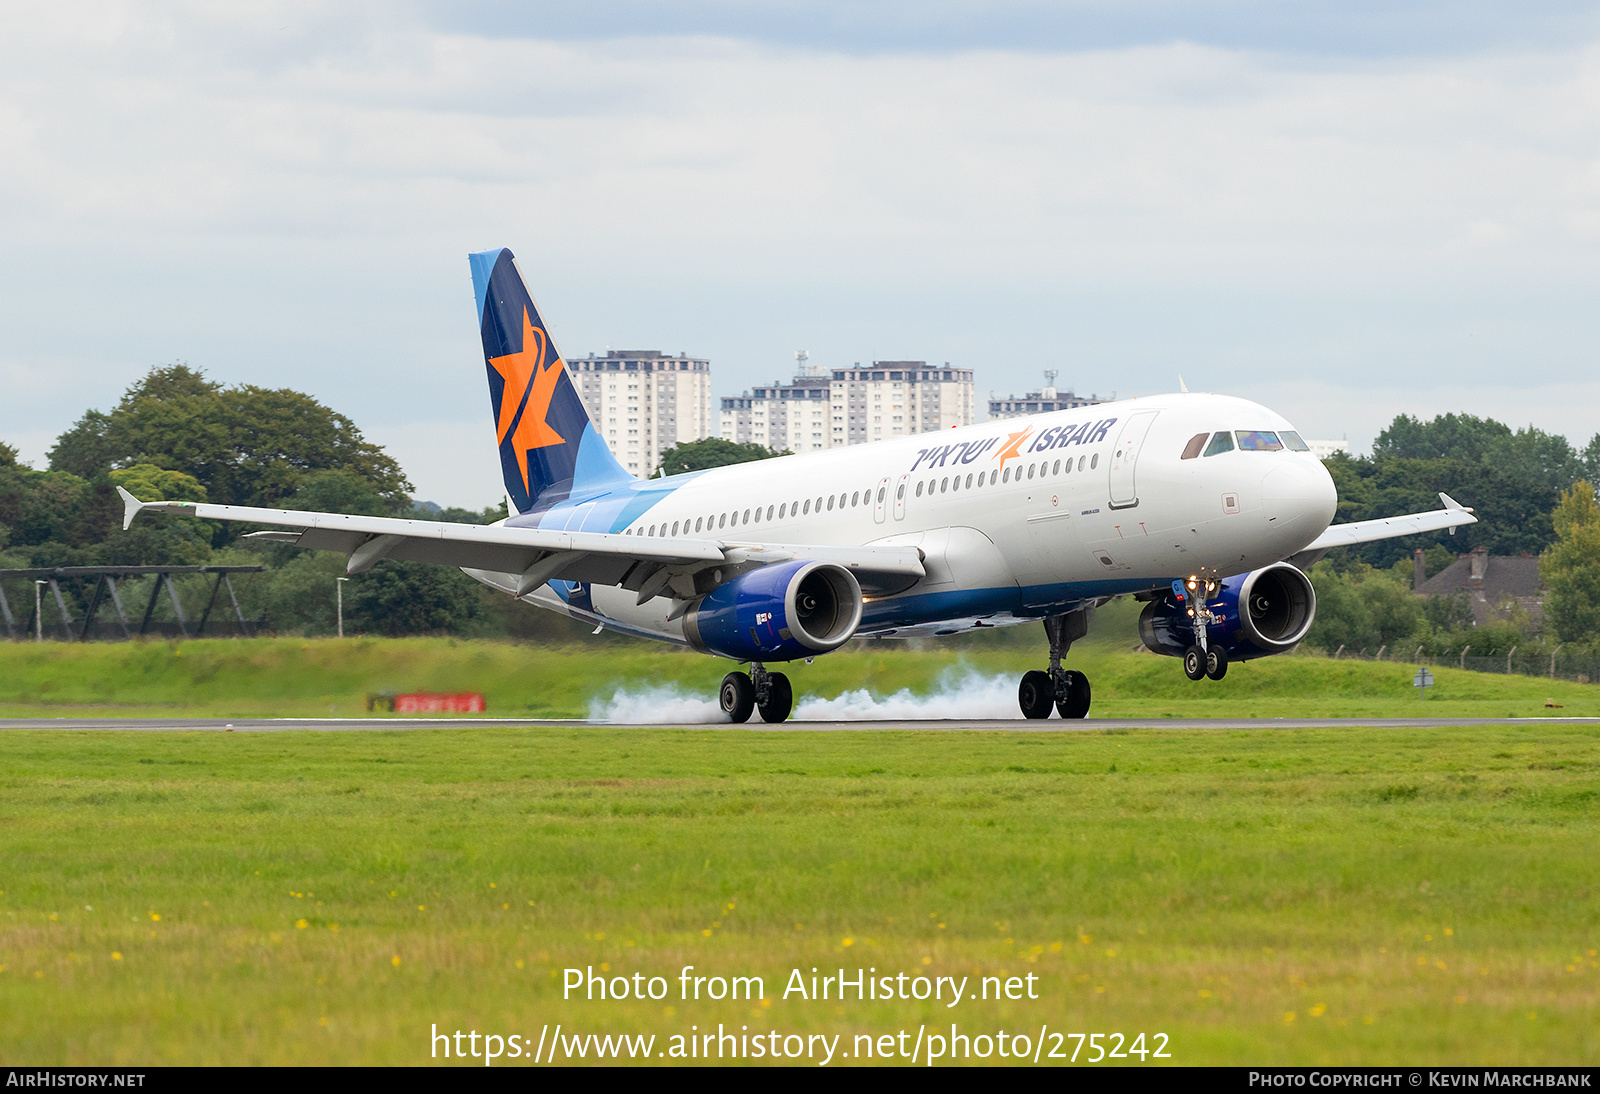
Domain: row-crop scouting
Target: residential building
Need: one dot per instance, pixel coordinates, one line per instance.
(1493, 584)
(850, 406)
(644, 402)
(1043, 401)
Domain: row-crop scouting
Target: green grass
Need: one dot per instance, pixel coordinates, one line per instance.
(1261, 896)
(322, 677)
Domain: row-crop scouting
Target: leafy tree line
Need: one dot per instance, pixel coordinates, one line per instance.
(1532, 495)
(1512, 478)
(1361, 606)
(177, 435)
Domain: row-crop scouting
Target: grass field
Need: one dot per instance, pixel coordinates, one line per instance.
(322, 677)
(1261, 896)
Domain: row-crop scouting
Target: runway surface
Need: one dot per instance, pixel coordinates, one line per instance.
(1006, 725)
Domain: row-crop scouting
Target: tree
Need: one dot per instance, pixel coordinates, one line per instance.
(1511, 477)
(83, 449)
(1571, 567)
(1362, 608)
(246, 445)
(400, 598)
(712, 452)
(339, 492)
(1591, 459)
(427, 510)
(147, 482)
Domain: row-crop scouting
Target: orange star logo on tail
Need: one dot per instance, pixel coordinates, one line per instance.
(530, 384)
(1013, 443)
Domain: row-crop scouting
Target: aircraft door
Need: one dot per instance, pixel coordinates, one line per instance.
(1124, 495)
(900, 498)
(880, 505)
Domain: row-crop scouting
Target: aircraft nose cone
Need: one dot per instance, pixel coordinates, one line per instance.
(1299, 494)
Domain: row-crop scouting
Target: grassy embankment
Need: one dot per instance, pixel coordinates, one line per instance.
(322, 677)
(1261, 896)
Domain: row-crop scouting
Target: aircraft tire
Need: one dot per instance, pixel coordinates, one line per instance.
(1075, 704)
(1036, 695)
(1216, 663)
(1194, 663)
(780, 699)
(737, 696)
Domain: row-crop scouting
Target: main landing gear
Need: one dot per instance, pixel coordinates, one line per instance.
(1064, 689)
(767, 692)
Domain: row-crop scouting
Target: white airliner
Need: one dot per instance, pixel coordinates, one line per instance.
(1207, 507)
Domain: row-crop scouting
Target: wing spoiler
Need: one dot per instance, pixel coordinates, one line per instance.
(534, 556)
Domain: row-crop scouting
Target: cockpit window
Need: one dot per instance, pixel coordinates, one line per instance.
(1196, 443)
(1291, 441)
(1222, 442)
(1254, 440)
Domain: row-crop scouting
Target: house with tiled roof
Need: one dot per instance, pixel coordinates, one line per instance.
(1492, 584)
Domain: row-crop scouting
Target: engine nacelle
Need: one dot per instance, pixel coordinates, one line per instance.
(1258, 614)
(781, 612)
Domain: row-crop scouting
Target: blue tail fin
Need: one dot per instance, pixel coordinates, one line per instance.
(549, 449)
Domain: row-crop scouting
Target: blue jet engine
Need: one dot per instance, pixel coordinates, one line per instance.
(1258, 614)
(782, 612)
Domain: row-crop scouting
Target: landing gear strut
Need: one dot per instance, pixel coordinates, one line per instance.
(1202, 659)
(1064, 689)
(763, 691)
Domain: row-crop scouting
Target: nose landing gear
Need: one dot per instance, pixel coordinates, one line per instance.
(1203, 660)
(763, 691)
(1065, 690)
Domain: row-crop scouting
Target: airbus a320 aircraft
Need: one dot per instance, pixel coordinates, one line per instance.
(1206, 507)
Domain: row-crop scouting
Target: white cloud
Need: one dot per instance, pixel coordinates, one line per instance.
(292, 206)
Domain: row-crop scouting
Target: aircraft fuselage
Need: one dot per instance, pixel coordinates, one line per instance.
(1016, 519)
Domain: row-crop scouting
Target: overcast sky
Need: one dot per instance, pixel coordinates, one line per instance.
(1345, 213)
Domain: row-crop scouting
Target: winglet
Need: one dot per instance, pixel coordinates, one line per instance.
(1452, 503)
(1183, 387)
(130, 507)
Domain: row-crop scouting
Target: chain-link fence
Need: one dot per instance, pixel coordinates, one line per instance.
(1556, 663)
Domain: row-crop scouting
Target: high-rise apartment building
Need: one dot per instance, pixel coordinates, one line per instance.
(1043, 401)
(850, 406)
(644, 402)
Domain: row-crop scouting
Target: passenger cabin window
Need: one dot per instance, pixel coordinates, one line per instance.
(1254, 440)
(1222, 442)
(1291, 441)
(1196, 443)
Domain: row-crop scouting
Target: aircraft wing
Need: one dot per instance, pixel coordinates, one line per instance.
(1453, 515)
(648, 565)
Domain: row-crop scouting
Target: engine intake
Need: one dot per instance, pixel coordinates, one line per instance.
(1260, 613)
(781, 612)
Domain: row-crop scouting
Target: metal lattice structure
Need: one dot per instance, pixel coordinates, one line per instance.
(105, 588)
